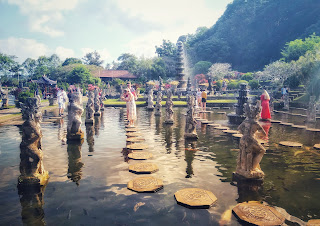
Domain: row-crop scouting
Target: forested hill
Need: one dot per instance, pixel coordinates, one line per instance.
(252, 33)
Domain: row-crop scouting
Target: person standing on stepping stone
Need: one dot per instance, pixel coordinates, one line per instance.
(204, 100)
(131, 106)
(62, 99)
(265, 112)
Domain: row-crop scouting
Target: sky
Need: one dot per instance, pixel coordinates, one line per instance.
(72, 28)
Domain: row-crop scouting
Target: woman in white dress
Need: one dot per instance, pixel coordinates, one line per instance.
(131, 106)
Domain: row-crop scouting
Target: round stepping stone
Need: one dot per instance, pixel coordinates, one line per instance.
(214, 125)
(237, 135)
(205, 122)
(131, 129)
(143, 168)
(140, 155)
(129, 126)
(196, 118)
(258, 214)
(201, 120)
(290, 144)
(133, 134)
(225, 108)
(145, 184)
(317, 146)
(286, 123)
(229, 131)
(299, 127)
(135, 139)
(314, 222)
(275, 121)
(313, 130)
(221, 127)
(137, 146)
(195, 198)
(221, 112)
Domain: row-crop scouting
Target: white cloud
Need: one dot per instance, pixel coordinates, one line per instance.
(23, 48)
(44, 14)
(64, 53)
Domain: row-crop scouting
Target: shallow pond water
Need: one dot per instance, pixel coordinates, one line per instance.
(88, 181)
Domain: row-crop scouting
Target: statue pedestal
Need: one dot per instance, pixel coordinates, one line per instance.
(76, 136)
(190, 136)
(97, 113)
(89, 122)
(5, 103)
(52, 101)
(34, 181)
(248, 175)
(150, 108)
(169, 121)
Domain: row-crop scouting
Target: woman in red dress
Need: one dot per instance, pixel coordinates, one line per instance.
(265, 113)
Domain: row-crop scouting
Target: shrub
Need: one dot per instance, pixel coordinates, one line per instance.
(22, 97)
(254, 84)
(248, 76)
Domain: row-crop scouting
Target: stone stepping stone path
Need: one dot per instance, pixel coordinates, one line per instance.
(214, 125)
(221, 112)
(221, 127)
(204, 111)
(140, 155)
(237, 135)
(286, 124)
(135, 139)
(201, 120)
(258, 214)
(299, 127)
(131, 129)
(225, 108)
(145, 184)
(316, 146)
(291, 144)
(137, 146)
(275, 121)
(313, 130)
(314, 222)
(133, 134)
(204, 122)
(129, 126)
(229, 131)
(143, 168)
(195, 198)
(215, 108)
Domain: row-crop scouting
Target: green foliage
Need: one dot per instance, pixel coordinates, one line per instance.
(247, 76)
(71, 60)
(22, 97)
(254, 84)
(167, 48)
(79, 75)
(294, 49)
(251, 34)
(93, 58)
(201, 67)
(293, 82)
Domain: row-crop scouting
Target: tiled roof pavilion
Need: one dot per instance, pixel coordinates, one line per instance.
(109, 74)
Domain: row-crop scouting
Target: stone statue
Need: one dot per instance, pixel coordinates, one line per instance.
(311, 113)
(158, 104)
(160, 83)
(190, 129)
(97, 104)
(90, 109)
(150, 106)
(5, 98)
(31, 165)
(169, 110)
(102, 97)
(251, 151)
(286, 102)
(75, 111)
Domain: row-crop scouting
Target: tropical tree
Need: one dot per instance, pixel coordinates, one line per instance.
(219, 70)
(167, 48)
(71, 60)
(93, 58)
(201, 67)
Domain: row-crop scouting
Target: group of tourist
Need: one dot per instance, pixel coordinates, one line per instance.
(202, 99)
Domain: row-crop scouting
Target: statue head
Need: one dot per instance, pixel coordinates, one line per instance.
(30, 109)
(252, 111)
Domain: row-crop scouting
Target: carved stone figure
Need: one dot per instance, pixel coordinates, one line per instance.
(150, 106)
(90, 109)
(5, 98)
(97, 104)
(102, 97)
(31, 165)
(311, 113)
(160, 83)
(286, 102)
(251, 151)
(190, 129)
(158, 104)
(169, 110)
(75, 111)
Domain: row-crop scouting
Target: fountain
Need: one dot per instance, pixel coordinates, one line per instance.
(75, 111)
(158, 104)
(150, 106)
(251, 151)
(190, 129)
(311, 113)
(169, 110)
(179, 68)
(31, 164)
(90, 109)
(238, 117)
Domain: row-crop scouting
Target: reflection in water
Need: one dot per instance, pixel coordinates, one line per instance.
(168, 137)
(125, 152)
(190, 150)
(74, 161)
(62, 133)
(179, 130)
(266, 126)
(158, 125)
(90, 138)
(249, 190)
(97, 121)
(31, 200)
(102, 120)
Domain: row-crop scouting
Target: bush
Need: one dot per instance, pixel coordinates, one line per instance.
(22, 97)
(293, 82)
(254, 84)
(232, 85)
(248, 76)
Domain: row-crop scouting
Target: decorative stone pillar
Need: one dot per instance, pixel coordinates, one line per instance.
(251, 151)
(31, 164)
(150, 106)
(286, 102)
(102, 97)
(169, 108)
(190, 129)
(239, 116)
(75, 111)
(312, 113)
(158, 104)
(97, 105)
(90, 109)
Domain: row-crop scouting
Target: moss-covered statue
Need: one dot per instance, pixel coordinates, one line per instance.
(75, 111)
